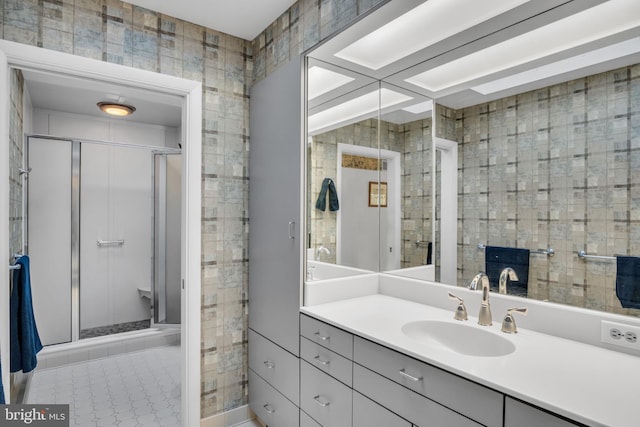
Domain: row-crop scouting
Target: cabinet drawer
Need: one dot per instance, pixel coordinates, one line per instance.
(307, 421)
(275, 365)
(463, 396)
(325, 399)
(519, 414)
(327, 361)
(367, 413)
(414, 407)
(270, 406)
(327, 336)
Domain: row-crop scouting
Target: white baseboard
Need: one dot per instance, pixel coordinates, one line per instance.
(228, 418)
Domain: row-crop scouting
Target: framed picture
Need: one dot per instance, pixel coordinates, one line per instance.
(377, 194)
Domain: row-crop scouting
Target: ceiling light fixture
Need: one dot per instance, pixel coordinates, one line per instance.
(594, 57)
(357, 108)
(421, 27)
(116, 109)
(606, 19)
(322, 81)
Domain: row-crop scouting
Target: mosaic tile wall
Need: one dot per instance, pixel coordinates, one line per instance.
(413, 140)
(556, 167)
(304, 25)
(117, 32)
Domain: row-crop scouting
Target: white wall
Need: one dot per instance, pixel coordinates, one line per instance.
(122, 305)
(68, 125)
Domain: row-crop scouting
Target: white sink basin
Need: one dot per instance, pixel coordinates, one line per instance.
(463, 338)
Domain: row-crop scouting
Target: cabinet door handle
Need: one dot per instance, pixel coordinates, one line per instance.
(269, 364)
(269, 409)
(411, 377)
(321, 401)
(322, 337)
(292, 230)
(322, 362)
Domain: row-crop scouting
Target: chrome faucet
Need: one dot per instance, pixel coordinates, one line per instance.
(484, 317)
(321, 249)
(506, 275)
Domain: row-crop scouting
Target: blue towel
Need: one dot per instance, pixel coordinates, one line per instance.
(25, 341)
(2, 401)
(321, 203)
(628, 281)
(497, 259)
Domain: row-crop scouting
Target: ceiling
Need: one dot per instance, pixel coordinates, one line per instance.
(80, 96)
(241, 18)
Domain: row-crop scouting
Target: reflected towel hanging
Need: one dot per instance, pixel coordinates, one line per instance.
(497, 258)
(321, 203)
(25, 341)
(628, 281)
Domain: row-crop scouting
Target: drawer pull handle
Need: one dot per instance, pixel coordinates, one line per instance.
(322, 337)
(269, 409)
(411, 377)
(322, 402)
(269, 364)
(322, 362)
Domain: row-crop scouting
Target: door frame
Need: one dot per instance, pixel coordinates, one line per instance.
(17, 55)
(393, 171)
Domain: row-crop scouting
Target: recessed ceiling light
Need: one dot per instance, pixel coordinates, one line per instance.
(322, 81)
(421, 27)
(116, 109)
(598, 22)
(356, 108)
(594, 57)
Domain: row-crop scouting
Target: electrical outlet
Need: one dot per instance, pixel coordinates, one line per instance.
(620, 334)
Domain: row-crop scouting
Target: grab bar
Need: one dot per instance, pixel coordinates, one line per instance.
(548, 252)
(110, 242)
(583, 255)
(422, 243)
(15, 267)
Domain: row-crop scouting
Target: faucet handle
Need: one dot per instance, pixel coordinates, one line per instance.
(461, 311)
(509, 323)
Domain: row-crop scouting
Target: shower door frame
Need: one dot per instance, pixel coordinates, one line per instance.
(75, 183)
(21, 56)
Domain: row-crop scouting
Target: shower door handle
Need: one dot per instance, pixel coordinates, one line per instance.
(101, 243)
(292, 230)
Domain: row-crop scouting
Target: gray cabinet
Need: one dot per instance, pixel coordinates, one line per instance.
(519, 414)
(367, 413)
(275, 246)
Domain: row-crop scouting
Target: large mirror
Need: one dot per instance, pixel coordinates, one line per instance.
(542, 103)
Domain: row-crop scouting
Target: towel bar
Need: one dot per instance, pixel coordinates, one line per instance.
(15, 267)
(583, 255)
(422, 243)
(548, 252)
(110, 242)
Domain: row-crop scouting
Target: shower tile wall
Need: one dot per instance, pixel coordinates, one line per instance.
(556, 167)
(413, 140)
(16, 161)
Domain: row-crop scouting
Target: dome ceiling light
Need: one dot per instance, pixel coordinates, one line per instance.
(116, 109)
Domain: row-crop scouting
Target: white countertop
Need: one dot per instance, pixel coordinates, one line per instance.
(591, 385)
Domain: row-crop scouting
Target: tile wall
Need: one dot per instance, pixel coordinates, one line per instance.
(556, 167)
(118, 32)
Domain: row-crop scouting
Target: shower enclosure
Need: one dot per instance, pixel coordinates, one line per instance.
(103, 234)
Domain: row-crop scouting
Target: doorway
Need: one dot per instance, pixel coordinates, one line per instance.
(14, 55)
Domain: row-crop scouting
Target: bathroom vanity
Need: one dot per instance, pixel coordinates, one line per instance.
(373, 358)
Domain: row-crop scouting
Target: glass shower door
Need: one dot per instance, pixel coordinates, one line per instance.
(116, 239)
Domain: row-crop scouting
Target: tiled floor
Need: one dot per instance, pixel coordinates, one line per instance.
(140, 389)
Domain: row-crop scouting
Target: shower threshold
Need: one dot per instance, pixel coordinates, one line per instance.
(118, 328)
